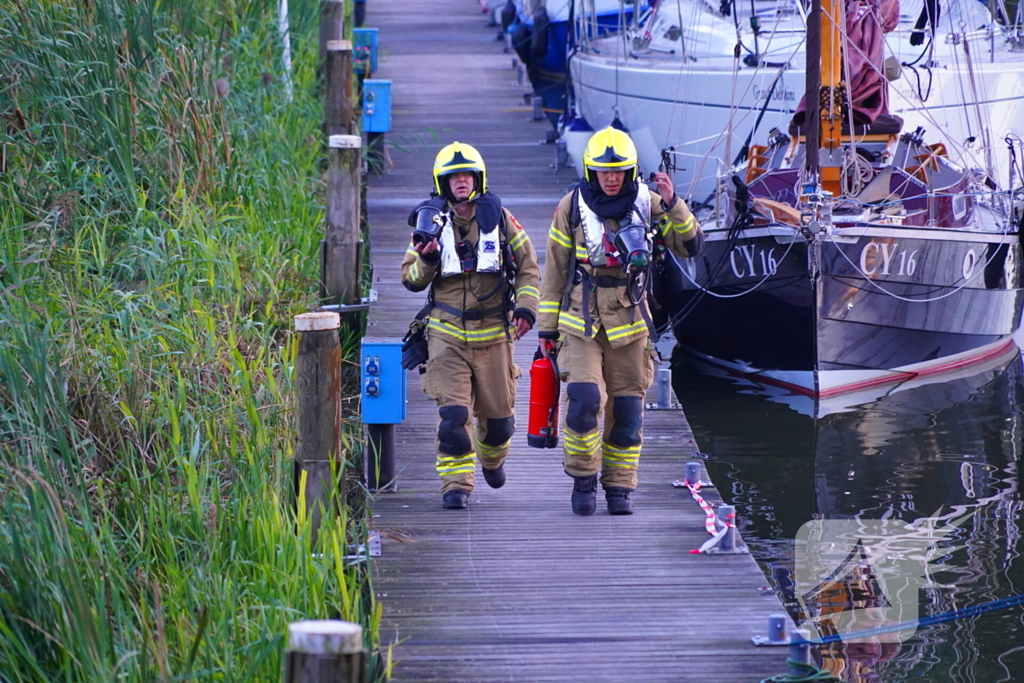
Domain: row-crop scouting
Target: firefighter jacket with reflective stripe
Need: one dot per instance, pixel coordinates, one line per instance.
(610, 305)
(469, 308)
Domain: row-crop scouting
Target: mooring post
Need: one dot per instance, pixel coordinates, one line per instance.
(332, 26)
(777, 627)
(325, 652)
(342, 245)
(693, 473)
(799, 651)
(778, 631)
(664, 380)
(318, 413)
(727, 516)
(538, 109)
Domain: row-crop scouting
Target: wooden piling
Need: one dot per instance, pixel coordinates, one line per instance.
(325, 652)
(318, 413)
(338, 97)
(332, 25)
(342, 245)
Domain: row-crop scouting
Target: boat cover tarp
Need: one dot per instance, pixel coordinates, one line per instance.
(867, 22)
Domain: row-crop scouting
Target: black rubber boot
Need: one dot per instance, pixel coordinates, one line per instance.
(456, 499)
(495, 478)
(584, 495)
(618, 500)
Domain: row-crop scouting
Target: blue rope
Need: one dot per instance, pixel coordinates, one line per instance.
(811, 673)
(927, 621)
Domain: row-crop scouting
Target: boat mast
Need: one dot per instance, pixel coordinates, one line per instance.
(826, 93)
(811, 89)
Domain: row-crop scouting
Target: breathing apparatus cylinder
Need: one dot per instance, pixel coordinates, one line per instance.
(544, 390)
(429, 223)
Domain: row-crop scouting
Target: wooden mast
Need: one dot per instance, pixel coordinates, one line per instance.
(833, 91)
(823, 112)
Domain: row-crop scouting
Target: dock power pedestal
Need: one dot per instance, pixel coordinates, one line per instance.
(382, 384)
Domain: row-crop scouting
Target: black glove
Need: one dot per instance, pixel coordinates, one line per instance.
(526, 315)
(431, 259)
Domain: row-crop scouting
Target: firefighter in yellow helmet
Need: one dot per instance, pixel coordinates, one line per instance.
(601, 245)
(483, 280)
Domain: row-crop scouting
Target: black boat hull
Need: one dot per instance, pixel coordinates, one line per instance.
(866, 305)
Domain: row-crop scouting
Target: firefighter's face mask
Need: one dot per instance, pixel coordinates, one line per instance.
(611, 182)
(634, 247)
(429, 223)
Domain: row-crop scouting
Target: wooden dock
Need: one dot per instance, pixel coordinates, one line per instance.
(517, 588)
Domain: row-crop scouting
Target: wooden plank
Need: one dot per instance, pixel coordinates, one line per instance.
(517, 587)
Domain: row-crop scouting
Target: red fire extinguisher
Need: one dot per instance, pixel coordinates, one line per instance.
(544, 390)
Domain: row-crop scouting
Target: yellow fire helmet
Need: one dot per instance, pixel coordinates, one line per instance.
(610, 149)
(459, 157)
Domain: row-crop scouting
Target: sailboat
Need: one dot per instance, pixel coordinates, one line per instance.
(849, 252)
(691, 80)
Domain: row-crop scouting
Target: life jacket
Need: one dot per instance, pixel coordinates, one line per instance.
(488, 250)
(600, 251)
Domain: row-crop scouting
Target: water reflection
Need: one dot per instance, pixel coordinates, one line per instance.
(948, 445)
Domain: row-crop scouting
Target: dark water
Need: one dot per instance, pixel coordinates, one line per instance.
(903, 455)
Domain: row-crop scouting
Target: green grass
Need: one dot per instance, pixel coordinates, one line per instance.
(160, 214)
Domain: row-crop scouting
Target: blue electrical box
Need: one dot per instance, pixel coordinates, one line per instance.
(364, 49)
(382, 380)
(376, 105)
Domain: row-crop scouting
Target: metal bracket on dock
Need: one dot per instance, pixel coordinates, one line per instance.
(352, 308)
(342, 308)
(360, 554)
(737, 550)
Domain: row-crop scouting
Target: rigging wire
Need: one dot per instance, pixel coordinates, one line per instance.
(964, 280)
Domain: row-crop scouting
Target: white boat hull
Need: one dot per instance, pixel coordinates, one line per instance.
(689, 111)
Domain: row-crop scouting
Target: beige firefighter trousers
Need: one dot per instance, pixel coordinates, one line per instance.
(623, 372)
(470, 381)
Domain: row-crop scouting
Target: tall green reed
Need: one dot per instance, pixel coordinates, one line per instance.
(160, 206)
